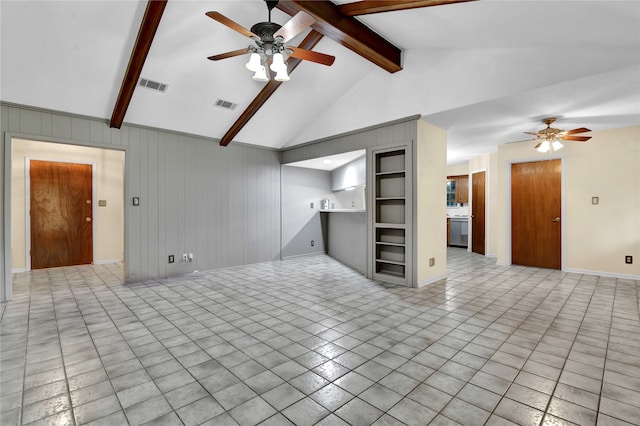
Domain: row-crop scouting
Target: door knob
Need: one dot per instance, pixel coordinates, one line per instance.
(87, 219)
(557, 220)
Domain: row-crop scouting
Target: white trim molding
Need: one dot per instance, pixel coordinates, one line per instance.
(602, 274)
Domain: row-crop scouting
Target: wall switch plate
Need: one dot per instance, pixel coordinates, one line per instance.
(311, 205)
(312, 243)
(432, 261)
(136, 201)
(185, 257)
(172, 258)
(102, 203)
(353, 204)
(628, 259)
(190, 257)
(595, 200)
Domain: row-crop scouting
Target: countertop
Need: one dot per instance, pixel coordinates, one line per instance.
(342, 211)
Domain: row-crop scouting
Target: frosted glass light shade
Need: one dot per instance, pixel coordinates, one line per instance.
(544, 147)
(557, 145)
(261, 74)
(282, 75)
(254, 62)
(278, 64)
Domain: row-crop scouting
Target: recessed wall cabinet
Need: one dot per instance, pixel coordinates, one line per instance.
(392, 214)
(457, 190)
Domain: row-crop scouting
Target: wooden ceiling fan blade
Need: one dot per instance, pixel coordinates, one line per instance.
(579, 130)
(229, 54)
(309, 55)
(577, 138)
(538, 145)
(531, 133)
(294, 26)
(217, 16)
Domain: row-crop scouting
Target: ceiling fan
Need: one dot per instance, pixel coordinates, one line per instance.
(551, 137)
(269, 44)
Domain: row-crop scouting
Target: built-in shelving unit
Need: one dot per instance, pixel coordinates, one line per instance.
(391, 215)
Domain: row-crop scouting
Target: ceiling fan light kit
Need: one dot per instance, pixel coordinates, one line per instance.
(269, 49)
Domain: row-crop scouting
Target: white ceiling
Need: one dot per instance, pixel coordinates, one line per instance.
(486, 71)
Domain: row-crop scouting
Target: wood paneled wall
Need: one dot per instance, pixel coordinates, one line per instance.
(222, 204)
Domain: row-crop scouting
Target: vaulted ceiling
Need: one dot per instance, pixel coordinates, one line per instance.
(484, 70)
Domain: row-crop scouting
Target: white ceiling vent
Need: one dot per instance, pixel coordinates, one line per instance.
(153, 85)
(225, 104)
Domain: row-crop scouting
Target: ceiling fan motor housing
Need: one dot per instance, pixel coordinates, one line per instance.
(266, 30)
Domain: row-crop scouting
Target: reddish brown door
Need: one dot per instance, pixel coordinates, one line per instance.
(61, 228)
(477, 212)
(535, 214)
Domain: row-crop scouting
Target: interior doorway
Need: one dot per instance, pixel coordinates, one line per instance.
(536, 203)
(478, 220)
(60, 213)
(105, 211)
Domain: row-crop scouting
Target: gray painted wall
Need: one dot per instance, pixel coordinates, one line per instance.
(348, 238)
(402, 130)
(300, 222)
(222, 204)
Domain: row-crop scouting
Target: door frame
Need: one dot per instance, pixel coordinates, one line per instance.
(563, 204)
(486, 207)
(27, 202)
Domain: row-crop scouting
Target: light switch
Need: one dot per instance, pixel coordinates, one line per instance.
(102, 203)
(136, 201)
(595, 200)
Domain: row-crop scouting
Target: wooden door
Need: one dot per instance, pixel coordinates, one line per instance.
(535, 214)
(61, 214)
(477, 212)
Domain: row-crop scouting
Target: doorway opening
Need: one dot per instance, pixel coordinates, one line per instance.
(72, 198)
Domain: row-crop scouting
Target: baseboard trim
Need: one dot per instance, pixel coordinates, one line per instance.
(106, 261)
(293, 256)
(431, 280)
(602, 274)
(501, 263)
(18, 270)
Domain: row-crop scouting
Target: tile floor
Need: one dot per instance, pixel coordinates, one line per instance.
(309, 341)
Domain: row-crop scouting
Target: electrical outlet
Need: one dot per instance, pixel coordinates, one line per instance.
(628, 259)
(312, 243)
(311, 205)
(172, 258)
(432, 261)
(185, 257)
(353, 204)
(190, 257)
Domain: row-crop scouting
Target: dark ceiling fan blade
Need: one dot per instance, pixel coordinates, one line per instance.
(231, 24)
(577, 138)
(377, 6)
(579, 130)
(309, 55)
(229, 54)
(294, 26)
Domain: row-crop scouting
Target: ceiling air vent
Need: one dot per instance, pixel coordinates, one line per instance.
(225, 104)
(153, 85)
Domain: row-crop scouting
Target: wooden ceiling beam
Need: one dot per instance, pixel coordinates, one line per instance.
(347, 31)
(269, 88)
(367, 7)
(147, 32)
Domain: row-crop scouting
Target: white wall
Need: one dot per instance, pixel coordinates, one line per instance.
(597, 237)
(349, 175)
(108, 221)
(300, 223)
(431, 207)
